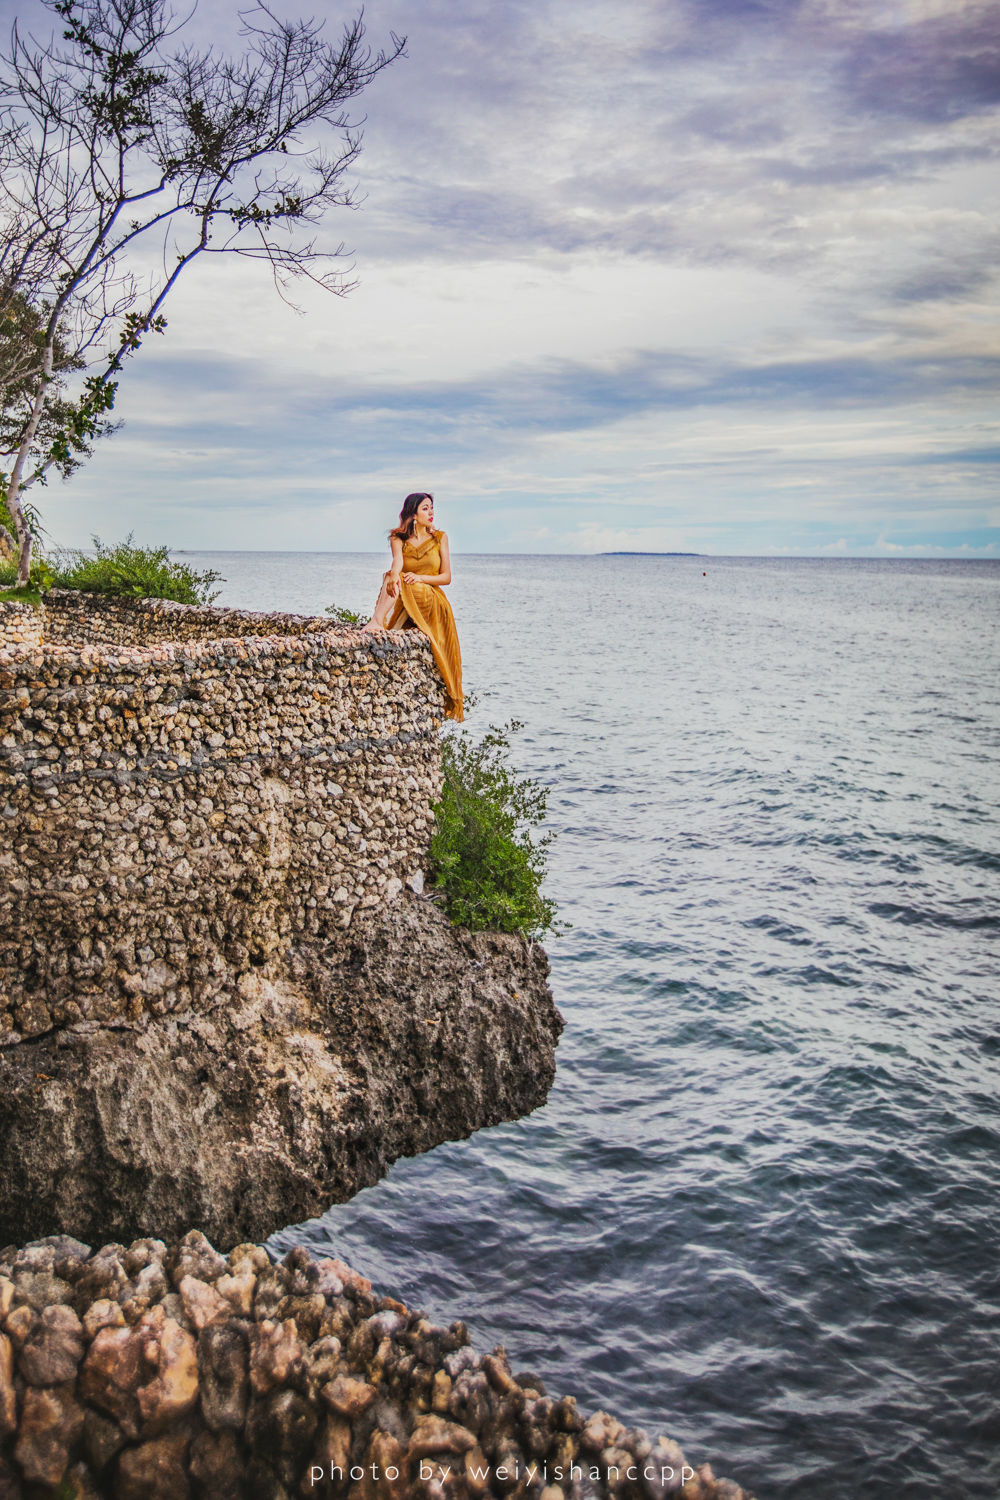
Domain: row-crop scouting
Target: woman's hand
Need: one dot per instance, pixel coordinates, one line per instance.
(392, 585)
(413, 578)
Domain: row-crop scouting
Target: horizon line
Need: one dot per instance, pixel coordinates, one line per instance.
(686, 556)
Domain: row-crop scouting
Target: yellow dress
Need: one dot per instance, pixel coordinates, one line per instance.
(423, 606)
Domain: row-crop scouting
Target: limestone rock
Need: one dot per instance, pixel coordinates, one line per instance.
(8, 1393)
(156, 1470)
(268, 1406)
(168, 1351)
(347, 1396)
(223, 1361)
(51, 1422)
(54, 1348)
(246, 1121)
(202, 1303)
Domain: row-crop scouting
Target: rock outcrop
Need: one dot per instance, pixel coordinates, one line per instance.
(155, 1373)
(223, 1002)
(283, 1097)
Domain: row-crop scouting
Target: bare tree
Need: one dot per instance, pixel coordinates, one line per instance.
(113, 139)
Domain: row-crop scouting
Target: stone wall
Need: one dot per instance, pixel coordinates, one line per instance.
(71, 617)
(145, 1372)
(174, 811)
(20, 625)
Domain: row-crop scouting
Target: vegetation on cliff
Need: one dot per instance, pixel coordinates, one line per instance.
(343, 616)
(488, 864)
(123, 570)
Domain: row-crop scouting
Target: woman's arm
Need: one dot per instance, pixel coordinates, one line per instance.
(445, 574)
(437, 579)
(392, 579)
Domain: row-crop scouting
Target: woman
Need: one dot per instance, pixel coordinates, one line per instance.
(411, 597)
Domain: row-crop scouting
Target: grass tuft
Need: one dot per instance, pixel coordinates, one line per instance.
(21, 596)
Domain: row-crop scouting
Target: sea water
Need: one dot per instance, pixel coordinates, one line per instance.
(759, 1210)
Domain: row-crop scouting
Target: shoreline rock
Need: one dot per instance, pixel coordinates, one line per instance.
(153, 1373)
(287, 1095)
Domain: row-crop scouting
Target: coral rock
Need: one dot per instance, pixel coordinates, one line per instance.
(51, 1422)
(54, 1348)
(170, 1350)
(156, 1470)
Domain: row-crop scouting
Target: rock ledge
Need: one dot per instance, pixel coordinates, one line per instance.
(289, 1094)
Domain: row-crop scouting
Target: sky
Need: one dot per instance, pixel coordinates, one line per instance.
(693, 275)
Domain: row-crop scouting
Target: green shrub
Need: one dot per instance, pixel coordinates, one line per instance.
(134, 572)
(342, 616)
(487, 866)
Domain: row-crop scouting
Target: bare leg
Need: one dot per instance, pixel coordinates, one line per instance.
(382, 610)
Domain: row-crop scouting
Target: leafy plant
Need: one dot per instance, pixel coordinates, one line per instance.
(134, 572)
(31, 515)
(342, 616)
(42, 575)
(488, 867)
(40, 580)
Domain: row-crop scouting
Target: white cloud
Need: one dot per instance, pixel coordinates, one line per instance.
(703, 276)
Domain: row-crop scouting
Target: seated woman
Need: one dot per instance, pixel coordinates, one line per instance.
(411, 597)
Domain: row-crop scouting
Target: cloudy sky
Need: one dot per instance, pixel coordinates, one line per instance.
(702, 275)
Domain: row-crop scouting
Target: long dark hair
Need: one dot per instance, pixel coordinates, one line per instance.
(408, 515)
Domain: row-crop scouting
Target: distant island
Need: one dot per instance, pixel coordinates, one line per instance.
(652, 554)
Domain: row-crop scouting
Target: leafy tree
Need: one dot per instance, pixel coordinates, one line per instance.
(114, 142)
(22, 335)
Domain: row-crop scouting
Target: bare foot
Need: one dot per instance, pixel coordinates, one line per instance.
(372, 628)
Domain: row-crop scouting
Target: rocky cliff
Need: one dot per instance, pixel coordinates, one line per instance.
(287, 1095)
(223, 1002)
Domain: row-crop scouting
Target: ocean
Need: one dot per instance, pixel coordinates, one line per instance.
(758, 1212)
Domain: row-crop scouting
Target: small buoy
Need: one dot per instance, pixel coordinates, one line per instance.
(704, 575)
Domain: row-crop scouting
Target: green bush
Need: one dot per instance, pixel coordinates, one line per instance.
(487, 866)
(343, 616)
(134, 572)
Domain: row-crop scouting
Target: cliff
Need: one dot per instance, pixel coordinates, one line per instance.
(224, 999)
(287, 1096)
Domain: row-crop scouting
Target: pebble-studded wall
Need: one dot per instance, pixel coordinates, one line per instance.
(182, 789)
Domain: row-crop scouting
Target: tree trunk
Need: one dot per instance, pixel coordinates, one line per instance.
(24, 538)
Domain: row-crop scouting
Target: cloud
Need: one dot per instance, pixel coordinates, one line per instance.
(934, 71)
(718, 272)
